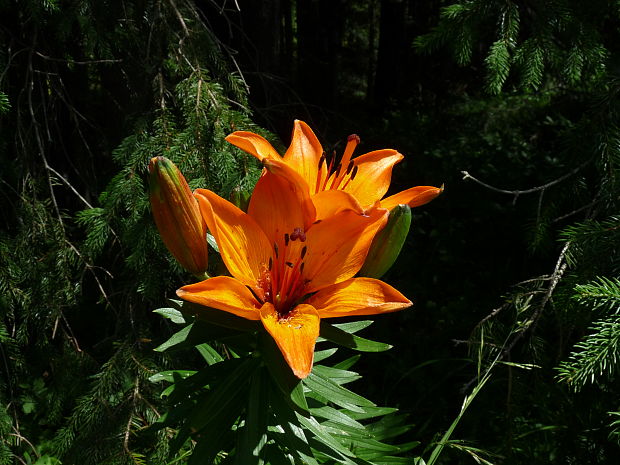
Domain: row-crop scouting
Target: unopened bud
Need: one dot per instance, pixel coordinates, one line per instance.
(387, 244)
(177, 216)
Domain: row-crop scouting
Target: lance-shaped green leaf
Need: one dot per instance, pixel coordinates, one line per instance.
(388, 243)
(344, 338)
(253, 436)
(215, 412)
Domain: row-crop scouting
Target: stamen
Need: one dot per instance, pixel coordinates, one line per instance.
(350, 167)
(301, 268)
(289, 264)
(352, 141)
(338, 168)
(270, 263)
(303, 252)
(286, 239)
(354, 173)
(329, 172)
(321, 172)
(298, 233)
(275, 248)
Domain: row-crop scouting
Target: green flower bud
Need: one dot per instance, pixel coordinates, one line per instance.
(387, 244)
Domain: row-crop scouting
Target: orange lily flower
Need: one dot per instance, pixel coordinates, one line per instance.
(288, 270)
(353, 183)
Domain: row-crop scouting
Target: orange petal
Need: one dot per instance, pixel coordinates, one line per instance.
(374, 174)
(358, 296)
(253, 144)
(414, 197)
(279, 206)
(243, 246)
(338, 245)
(296, 186)
(304, 153)
(295, 335)
(224, 293)
(329, 203)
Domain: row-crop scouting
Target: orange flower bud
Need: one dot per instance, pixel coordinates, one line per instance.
(177, 215)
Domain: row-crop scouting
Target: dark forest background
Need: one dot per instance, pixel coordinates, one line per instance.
(513, 105)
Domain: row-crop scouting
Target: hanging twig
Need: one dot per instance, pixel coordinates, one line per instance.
(516, 193)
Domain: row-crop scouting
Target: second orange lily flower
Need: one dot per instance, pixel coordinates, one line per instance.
(353, 183)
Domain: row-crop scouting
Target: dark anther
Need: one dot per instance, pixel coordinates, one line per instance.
(270, 263)
(350, 167)
(286, 239)
(338, 168)
(289, 264)
(354, 173)
(298, 233)
(322, 159)
(352, 137)
(317, 221)
(275, 248)
(303, 252)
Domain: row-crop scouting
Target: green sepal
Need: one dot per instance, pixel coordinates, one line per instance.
(388, 243)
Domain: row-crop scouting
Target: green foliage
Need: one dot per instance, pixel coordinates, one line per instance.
(191, 135)
(594, 357)
(93, 91)
(247, 407)
(562, 42)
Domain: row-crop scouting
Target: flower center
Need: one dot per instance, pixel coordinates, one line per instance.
(340, 175)
(281, 282)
